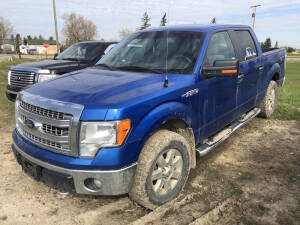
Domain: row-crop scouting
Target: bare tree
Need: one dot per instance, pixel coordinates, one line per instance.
(77, 28)
(124, 32)
(6, 29)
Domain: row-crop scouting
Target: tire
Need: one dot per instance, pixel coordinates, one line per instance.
(162, 169)
(268, 104)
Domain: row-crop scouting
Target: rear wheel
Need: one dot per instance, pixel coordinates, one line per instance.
(162, 169)
(269, 102)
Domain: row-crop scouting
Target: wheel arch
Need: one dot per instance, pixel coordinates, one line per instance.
(173, 116)
(274, 74)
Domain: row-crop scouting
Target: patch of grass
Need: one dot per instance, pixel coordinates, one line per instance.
(231, 189)
(6, 107)
(288, 107)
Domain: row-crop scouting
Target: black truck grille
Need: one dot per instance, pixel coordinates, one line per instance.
(21, 79)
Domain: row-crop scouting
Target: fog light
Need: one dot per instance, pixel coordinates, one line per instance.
(97, 183)
(93, 184)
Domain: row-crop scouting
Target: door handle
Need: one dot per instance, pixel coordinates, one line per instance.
(240, 77)
(261, 68)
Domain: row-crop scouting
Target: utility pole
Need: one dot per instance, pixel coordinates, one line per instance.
(254, 15)
(55, 24)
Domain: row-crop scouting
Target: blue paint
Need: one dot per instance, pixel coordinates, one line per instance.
(116, 95)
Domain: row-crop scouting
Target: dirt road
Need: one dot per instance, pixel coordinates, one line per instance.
(252, 178)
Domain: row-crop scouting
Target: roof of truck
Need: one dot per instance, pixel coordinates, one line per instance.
(197, 27)
(99, 42)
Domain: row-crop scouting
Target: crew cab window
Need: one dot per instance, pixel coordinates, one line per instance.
(219, 48)
(245, 44)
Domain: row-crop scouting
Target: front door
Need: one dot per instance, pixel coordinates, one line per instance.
(220, 92)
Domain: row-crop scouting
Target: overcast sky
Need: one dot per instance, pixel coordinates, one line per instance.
(279, 19)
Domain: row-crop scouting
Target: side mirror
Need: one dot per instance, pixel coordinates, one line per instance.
(55, 55)
(221, 68)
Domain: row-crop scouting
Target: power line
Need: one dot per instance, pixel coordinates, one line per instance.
(254, 15)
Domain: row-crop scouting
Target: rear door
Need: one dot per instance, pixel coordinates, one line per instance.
(249, 70)
(221, 91)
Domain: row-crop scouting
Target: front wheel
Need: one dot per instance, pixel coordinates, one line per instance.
(269, 102)
(162, 169)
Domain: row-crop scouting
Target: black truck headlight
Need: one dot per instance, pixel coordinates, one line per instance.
(44, 75)
(8, 77)
(95, 135)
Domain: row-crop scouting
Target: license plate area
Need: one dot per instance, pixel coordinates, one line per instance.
(31, 169)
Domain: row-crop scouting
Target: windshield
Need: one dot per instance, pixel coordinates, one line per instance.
(147, 52)
(83, 52)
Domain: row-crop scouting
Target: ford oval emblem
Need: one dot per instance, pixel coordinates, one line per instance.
(29, 123)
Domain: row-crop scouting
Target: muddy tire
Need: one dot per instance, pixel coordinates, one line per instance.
(162, 169)
(269, 102)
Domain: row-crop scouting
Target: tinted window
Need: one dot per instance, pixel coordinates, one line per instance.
(219, 48)
(246, 44)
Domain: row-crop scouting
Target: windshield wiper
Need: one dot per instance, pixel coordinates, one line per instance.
(138, 68)
(75, 59)
(105, 66)
(71, 59)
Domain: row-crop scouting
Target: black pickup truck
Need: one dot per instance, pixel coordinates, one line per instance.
(76, 57)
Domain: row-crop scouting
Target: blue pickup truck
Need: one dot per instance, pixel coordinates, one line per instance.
(136, 121)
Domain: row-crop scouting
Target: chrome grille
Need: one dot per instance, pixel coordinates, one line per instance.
(21, 79)
(48, 129)
(57, 131)
(44, 112)
(43, 141)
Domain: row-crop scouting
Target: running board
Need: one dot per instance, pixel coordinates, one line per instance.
(217, 139)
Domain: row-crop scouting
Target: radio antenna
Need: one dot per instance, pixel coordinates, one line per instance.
(166, 82)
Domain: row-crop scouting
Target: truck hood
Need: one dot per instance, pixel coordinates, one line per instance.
(55, 65)
(97, 88)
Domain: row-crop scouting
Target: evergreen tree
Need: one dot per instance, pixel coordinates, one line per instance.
(163, 21)
(213, 20)
(268, 43)
(145, 21)
(18, 42)
(276, 44)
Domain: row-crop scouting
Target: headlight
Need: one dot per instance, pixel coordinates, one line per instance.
(17, 103)
(8, 77)
(94, 135)
(45, 75)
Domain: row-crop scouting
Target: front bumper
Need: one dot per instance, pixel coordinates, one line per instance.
(114, 182)
(12, 92)
(11, 95)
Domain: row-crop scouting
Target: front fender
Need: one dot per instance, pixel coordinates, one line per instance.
(156, 117)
